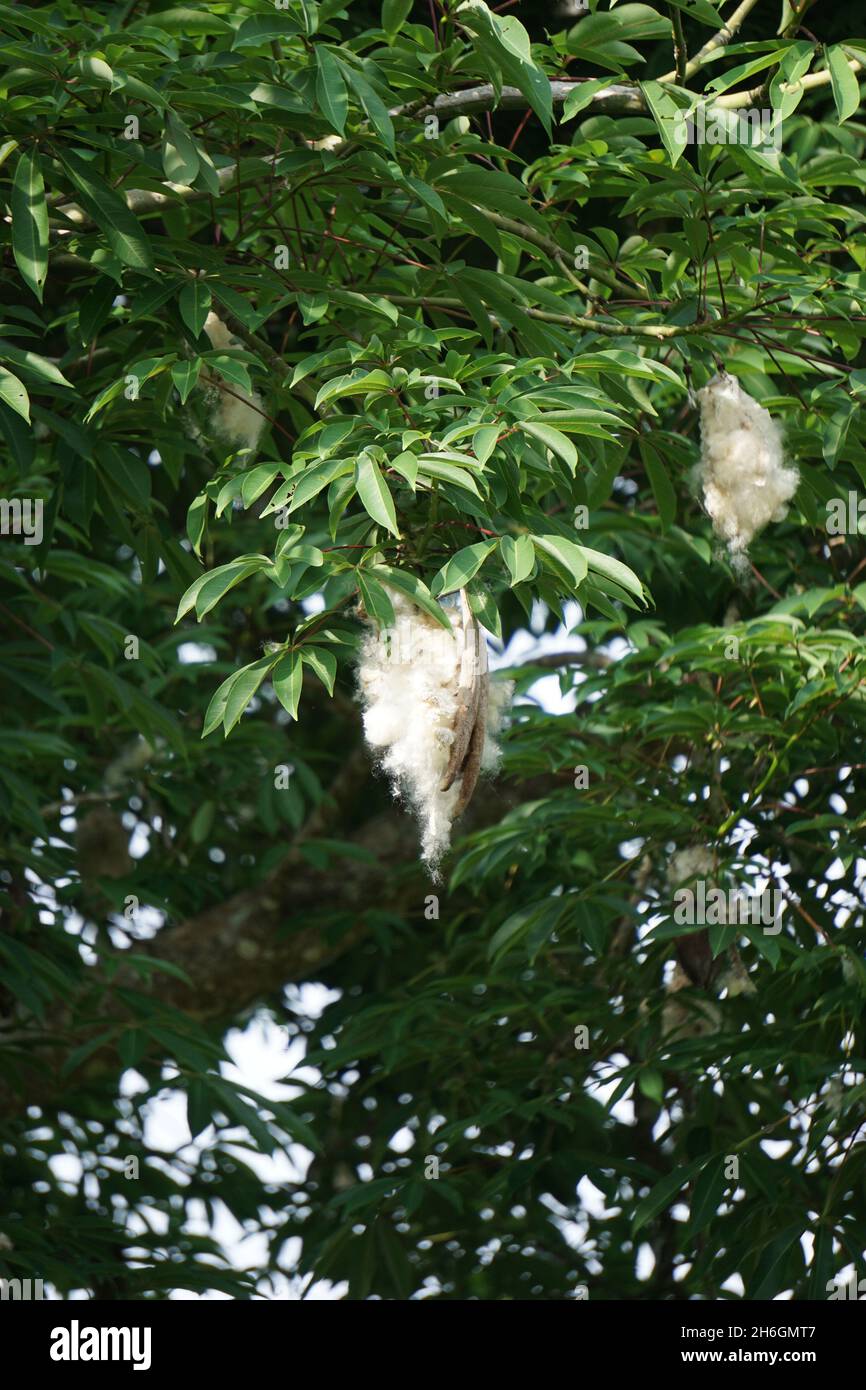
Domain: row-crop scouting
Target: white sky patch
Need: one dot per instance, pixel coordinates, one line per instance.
(604, 1081)
(195, 653)
(525, 645)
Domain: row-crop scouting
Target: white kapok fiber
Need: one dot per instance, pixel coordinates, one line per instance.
(745, 480)
(238, 417)
(685, 865)
(428, 713)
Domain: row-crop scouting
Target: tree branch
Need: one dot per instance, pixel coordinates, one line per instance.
(734, 100)
(721, 39)
(618, 98)
(612, 327)
(681, 56)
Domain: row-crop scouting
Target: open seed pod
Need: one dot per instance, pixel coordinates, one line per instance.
(745, 480)
(428, 712)
(470, 723)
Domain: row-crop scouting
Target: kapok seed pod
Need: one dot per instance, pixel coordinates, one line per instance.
(745, 481)
(426, 715)
(472, 645)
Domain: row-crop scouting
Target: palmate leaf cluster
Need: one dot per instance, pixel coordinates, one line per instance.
(474, 274)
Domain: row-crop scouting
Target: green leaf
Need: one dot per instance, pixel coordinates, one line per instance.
(92, 66)
(208, 178)
(179, 155)
(209, 588)
(202, 821)
(484, 441)
(185, 375)
(786, 88)
(195, 305)
(331, 93)
(700, 10)
(375, 598)
(32, 363)
(605, 39)
(823, 1265)
(651, 1084)
(232, 369)
(395, 1259)
(461, 567)
(414, 588)
(846, 88)
(614, 570)
(433, 466)
(504, 43)
(582, 96)
(74, 1059)
(13, 392)
(354, 384)
(24, 19)
(30, 223)
(308, 555)
(110, 213)
(287, 680)
(185, 20)
(661, 1196)
(536, 921)
(264, 29)
(466, 214)
(836, 433)
(217, 707)
(483, 607)
(137, 89)
(19, 439)
(196, 521)
(669, 119)
(243, 687)
(374, 493)
(568, 558)
(771, 1275)
(706, 1195)
(406, 464)
(250, 678)
(744, 71)
(553, 440)
(256, 480)
(131, 1047)
(394, 14)
(372, 103)
(664, 491)
(518, 552)
(200, 1104)
(312, 480)
(323, 663)
(95, 308)
(151, 299)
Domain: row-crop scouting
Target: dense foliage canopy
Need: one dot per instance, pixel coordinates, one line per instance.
(474, 266)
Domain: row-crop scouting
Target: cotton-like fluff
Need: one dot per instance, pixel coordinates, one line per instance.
(239, 417)
(745, 480)
(428, 714)
(701, 1017)
(693, 862)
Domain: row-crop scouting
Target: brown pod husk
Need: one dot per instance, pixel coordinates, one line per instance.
(471, 705)
(472, 762)
(430, 715)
